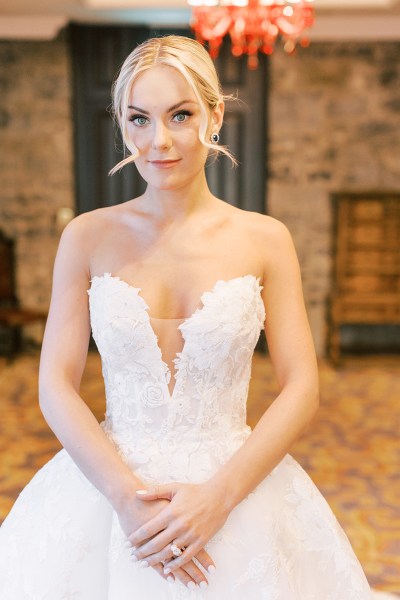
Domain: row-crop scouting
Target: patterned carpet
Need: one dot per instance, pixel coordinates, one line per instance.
(351, 450)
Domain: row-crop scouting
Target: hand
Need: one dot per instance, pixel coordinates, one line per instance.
(136, 514)
(192, 517)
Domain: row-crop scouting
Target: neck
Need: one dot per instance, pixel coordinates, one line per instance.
(178, 204)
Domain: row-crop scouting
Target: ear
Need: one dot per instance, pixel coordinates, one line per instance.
(218, 116)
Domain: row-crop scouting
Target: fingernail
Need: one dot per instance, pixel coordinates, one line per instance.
(141, 492)
(134, 557)
(191, 585)
(203, 585)
(170, 579)
(211, 569)
(144, 564)
(127, 544)
(167, 570)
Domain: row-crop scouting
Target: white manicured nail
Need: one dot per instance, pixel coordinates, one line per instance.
(167, 570)
(127, 544)
(211, 569)
(171, 579)
(191, 585)
(203, 585)
(141, 492)
(143, 564)
(133, 558)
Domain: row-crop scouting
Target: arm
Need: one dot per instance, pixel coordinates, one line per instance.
(293, 357)
(202, 509)
(62, 362)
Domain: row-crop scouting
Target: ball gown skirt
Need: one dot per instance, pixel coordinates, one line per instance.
(62, 540)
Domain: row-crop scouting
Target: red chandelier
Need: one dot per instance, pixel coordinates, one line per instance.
(253, 25)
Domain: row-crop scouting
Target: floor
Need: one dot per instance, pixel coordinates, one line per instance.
(351, 450)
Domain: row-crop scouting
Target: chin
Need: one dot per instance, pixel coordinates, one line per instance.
(167, 181)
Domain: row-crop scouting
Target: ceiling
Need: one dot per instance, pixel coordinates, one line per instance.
(80, 8)
(336, 19)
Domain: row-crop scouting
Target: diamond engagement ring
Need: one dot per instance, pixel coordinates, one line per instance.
(175, 550)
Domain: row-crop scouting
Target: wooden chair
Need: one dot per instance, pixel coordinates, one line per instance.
(13, 317)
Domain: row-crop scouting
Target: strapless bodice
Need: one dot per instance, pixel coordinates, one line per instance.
(203, 420)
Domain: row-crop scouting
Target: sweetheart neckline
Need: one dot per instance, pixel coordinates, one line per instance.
(169, 373)
(182, 319)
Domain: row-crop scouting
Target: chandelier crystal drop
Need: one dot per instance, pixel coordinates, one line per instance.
(253, 25)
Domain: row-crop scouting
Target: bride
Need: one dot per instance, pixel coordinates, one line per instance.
(173, 496)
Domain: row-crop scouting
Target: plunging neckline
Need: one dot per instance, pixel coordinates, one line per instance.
(168, 329)
(168, 374)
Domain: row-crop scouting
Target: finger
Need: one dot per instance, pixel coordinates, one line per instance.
(188, 554)
(149, 529)
(195, 575)
(205, 561)
(191, 576)
(148, 560)
(160, 557)
(160, 570)
(154, 546)
(157, 492)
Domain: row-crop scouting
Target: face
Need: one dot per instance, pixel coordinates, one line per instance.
(164, 119)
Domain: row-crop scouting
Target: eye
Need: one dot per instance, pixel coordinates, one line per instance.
(138, 120)
(182, 116)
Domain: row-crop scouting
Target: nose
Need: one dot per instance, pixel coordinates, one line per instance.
(161, 137)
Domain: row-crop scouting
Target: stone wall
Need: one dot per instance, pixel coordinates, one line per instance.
(334, 112)
(36, 172)
(334, 117)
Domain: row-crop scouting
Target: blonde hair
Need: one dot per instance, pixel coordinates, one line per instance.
(192, 60)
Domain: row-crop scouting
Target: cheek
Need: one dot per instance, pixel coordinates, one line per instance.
(190, 140)
(139, 137)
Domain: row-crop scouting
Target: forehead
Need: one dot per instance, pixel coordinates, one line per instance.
(158, 86)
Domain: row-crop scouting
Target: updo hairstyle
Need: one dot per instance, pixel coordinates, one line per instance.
(192, 60)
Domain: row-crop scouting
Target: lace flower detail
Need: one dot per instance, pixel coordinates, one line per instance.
(152, 395)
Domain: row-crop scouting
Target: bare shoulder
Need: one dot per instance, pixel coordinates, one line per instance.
(91, 223)
(265, 226)
(264, 238)
(85, 230)
(264, 229)
(82, 236)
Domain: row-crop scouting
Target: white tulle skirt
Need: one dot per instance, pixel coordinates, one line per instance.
(62, 541)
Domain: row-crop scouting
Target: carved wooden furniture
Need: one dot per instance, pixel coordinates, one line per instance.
(13, 317)
(366, 283)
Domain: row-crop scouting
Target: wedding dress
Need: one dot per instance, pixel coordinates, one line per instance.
(62, 540)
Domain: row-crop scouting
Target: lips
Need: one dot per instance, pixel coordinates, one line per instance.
(164, 164)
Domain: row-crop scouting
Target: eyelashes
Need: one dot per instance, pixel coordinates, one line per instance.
(136, 118)
(186, 113)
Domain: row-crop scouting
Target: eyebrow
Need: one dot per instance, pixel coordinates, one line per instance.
(174, 107)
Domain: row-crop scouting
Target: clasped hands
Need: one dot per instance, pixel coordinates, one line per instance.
(189, 520)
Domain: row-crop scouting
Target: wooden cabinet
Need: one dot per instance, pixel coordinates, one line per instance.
(366, 278)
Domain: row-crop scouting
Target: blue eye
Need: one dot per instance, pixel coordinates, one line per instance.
(181, 116)
(138, 120)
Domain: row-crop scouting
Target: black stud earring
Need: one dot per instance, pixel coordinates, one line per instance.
(214, 138)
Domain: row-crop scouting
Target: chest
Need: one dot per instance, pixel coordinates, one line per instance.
(173, 268)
